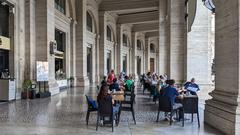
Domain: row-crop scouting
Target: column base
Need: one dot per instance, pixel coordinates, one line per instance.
(81, 81)
(97, 79)
(222, 115)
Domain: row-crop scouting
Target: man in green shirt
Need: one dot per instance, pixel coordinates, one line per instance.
(128, 83)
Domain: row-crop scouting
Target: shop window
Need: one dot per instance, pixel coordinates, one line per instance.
(124, 64)
(109, 34)
(4, 20)
(89, 22)
(4, 63)
(108, 62)
(125, 40)
(139, 45)
(60, 39)
(60, 5)
(152, 48)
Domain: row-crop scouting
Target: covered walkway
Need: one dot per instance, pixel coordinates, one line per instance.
(64, 114)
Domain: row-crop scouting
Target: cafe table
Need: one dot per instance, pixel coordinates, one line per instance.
(118, 96)
(190, 105)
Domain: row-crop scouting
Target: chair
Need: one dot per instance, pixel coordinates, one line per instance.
(190, 105)
(145, 86)
(165, 105)
(98, 89)
(91, 107)
(127, 105)
(129, 92)
(105, 110)
(153, 93)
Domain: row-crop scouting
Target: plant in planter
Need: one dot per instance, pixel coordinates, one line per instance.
(27, 84)
(71, 80)
(29, 91)
(33, 90)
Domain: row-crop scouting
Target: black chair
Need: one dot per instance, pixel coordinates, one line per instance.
(98, 88)
(153, 93)
(165, 105)
(129, 92)
(145, 86)
(91, 108)
(127, 105)
(190, 105)
(105, 110)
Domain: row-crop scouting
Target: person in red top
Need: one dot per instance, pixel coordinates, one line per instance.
(111, 76)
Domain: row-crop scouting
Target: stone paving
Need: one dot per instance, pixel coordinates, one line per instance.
(64, 114)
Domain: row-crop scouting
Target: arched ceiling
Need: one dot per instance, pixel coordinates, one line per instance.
(143, 15)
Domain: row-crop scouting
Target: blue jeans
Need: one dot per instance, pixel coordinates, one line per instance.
(116, 108)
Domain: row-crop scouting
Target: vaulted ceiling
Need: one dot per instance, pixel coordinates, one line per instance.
(143, 15)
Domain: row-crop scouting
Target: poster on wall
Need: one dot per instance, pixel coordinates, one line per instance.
(42, 71)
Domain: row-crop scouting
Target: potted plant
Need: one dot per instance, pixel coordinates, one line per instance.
(29, 91)
(33, 89)
(27, 84)
(71, 80)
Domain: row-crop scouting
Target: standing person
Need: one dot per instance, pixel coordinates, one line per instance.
(154, 90)
(147, 81)
(192, 87)
(111, 76)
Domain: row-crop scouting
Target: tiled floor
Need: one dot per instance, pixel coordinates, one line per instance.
(64, 114)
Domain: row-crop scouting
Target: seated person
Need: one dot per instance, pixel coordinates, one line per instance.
(147, 82)
(115, 85)
(121, 80)
(104, 81)
(171, 92)
(128, 83)
(191, 86)
(110, 78)
(103, 95)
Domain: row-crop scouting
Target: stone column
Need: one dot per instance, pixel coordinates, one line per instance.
(134, 49)
(17, 44)
(198, 63)
(177, 30)
(143, 55)
(45, 33)
(223, 110)
(163, 45)
(97, 67)
(119, 42)
(146, 50)
(81, 78)
(102, 58)
(30, 40)
(115, 55)
(157, 57)
(73, 46)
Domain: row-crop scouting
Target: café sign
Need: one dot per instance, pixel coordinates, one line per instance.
(4, 43)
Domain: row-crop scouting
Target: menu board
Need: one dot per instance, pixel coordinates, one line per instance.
(12, 90)
(4, 43)
(42, 71)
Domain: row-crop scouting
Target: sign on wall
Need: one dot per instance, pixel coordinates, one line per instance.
(4, 43)
(42, 71)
